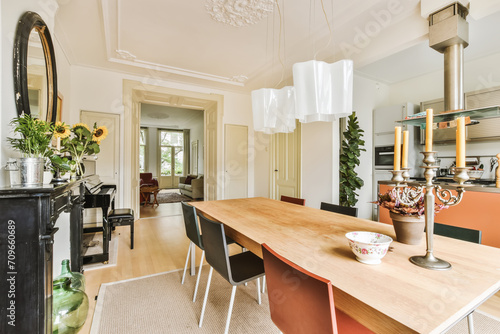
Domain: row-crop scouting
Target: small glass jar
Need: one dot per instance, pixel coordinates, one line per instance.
(70, 307)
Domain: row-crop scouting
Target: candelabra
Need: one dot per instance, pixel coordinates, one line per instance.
(410, 194)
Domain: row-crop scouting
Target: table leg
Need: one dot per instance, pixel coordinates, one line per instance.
(155, 201)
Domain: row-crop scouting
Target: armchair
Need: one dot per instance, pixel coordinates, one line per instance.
(146, 179)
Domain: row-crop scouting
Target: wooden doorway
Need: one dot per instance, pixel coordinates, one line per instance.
(135, 93)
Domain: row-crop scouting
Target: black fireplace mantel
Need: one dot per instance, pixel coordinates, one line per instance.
(28, 222)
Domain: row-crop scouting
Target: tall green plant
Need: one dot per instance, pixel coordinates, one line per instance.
(352, 145)
(34, 138)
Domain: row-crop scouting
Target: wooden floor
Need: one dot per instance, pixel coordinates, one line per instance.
(160, 245)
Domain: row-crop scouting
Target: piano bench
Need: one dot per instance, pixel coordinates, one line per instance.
(120, 217)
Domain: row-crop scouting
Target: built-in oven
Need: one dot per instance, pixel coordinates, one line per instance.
(384, 157)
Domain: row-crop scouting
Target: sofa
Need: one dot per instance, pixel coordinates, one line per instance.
(191, 186)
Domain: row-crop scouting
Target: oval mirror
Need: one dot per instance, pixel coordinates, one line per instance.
(35, 79)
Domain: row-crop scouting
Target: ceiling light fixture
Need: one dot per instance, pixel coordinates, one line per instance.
(274, 109)
(239, 13)
(323, 92)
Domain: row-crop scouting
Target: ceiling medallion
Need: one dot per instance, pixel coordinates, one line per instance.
(239, 13)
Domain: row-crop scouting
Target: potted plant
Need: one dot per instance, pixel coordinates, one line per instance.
(78, 141)
(408, 220)
(352, 145)
(33, 140)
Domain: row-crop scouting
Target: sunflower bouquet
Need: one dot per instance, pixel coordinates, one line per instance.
(78, 141)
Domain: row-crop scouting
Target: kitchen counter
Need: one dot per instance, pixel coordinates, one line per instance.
(453, 186)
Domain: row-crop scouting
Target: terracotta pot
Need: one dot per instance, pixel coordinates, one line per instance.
(409, 229)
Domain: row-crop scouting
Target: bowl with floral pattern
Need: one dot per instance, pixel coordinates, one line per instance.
(369, 247)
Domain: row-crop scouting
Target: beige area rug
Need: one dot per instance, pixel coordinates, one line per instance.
(94, 240)
(483, 324)
(160, 304)
(166, 196)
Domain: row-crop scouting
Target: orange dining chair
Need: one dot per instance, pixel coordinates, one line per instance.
(293, 200)
(302, 302)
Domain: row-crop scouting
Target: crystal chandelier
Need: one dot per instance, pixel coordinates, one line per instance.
(239, 13)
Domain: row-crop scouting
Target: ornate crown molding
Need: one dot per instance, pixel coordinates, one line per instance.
(239, 13)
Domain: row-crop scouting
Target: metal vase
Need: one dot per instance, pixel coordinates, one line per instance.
(31, 171)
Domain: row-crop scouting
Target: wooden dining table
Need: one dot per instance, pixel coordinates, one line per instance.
(394, 296)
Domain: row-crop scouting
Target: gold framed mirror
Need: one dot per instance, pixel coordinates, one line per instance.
(35, 77)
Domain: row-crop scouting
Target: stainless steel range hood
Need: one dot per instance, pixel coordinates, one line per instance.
(449, 34)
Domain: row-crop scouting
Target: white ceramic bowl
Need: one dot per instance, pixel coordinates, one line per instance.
(475, 174)
(369, 247)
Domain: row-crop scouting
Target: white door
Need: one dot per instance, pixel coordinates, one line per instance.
(236, 161)
(108, 159)
(285, 164)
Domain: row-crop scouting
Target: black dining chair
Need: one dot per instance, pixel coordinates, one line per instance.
(465, 234)
(460, 233)
(236, 269)
(193, 233)
(345, 210)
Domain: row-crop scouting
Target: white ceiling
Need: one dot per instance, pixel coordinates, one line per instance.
(177, 40)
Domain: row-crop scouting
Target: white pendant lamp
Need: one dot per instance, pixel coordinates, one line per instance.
(323, 92)
(274, 110)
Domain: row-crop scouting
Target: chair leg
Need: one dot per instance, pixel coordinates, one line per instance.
(258, 291)
(230, 311)
(264, 284)
(193, 259)
(131, 235)
(206, 296)
(198, 278)
(187, 260)
(470, 323)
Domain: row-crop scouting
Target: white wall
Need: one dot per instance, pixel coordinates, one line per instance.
(319, 142)
(368, 95)
(478, 74)
(102, 91)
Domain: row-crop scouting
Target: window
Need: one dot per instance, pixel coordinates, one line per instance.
(142, 149)
(171, 152)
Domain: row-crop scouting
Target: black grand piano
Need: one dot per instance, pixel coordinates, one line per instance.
(99, 195)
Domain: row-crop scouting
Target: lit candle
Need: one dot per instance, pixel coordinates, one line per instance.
(397, 148)
(404, 158)
(428, 130)
(58, 144)
(460, 142)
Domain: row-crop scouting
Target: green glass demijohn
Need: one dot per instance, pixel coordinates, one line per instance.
(70, 307)
(77, 279)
